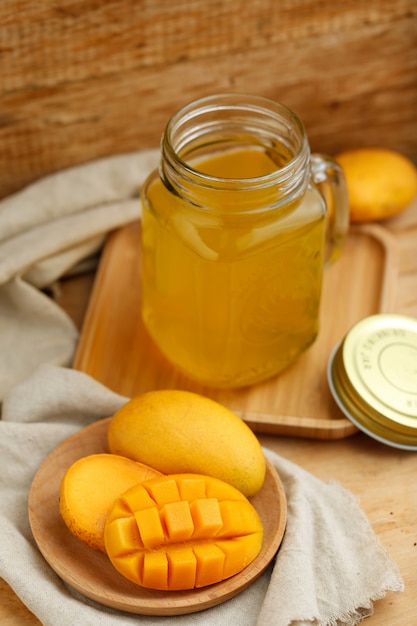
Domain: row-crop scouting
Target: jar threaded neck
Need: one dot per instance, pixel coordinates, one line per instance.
(229, 122)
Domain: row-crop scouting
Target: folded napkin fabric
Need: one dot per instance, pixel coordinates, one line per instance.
(329, 571)
(46, 230)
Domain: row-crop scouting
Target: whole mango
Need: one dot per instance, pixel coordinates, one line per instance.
(380, 182)
(178, 431)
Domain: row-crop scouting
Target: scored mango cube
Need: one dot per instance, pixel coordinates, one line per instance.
(150, 528)
(163, 490)
(178, 520)
(135, 499)
(210, 564)
(132, 565)
(207, 517)
(182, 568)
(247, 547)
(192, 488)
(238, 519)
(186, 538)
(122, 535)
(220, 490)
(155, 570)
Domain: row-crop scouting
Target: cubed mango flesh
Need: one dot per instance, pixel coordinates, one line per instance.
(182, 531)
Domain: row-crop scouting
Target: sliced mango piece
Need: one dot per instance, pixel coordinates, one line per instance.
(185, 538)
(89, 488)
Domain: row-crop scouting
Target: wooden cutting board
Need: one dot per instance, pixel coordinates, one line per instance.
(377, 272)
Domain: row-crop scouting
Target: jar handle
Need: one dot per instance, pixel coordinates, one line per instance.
(329, 178)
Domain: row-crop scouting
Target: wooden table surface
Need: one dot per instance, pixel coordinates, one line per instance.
(382, 478)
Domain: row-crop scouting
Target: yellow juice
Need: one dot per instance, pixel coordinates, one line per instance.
(232, 296)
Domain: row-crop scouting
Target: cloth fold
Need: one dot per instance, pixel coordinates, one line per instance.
(45, 231)
(328, 572)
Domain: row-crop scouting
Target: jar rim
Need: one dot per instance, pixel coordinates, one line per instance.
(236, 102)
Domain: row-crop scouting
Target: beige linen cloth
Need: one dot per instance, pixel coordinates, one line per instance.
(330, 568)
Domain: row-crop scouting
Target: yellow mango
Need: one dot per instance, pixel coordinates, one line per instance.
(179, 431)
(380, 182)
(179, 544)
(89, 488)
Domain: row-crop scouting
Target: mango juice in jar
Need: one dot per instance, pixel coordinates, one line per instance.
(233, 242)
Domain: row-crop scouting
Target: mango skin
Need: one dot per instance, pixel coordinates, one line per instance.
(177, 431)
(381, 182)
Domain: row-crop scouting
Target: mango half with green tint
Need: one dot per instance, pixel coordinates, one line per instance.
(182, 531)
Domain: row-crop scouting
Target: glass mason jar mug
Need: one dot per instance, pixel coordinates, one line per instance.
(234, 239)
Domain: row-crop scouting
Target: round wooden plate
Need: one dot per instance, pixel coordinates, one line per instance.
(90, 572)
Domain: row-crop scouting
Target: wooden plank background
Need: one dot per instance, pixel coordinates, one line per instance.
(81, 79)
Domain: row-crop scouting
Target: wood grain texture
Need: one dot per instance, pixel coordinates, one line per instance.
(80, 80)
(368, 278)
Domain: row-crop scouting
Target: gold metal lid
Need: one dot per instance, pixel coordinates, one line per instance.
(372, 375)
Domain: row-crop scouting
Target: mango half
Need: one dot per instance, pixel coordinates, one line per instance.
(89, 488)
(182, 532)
